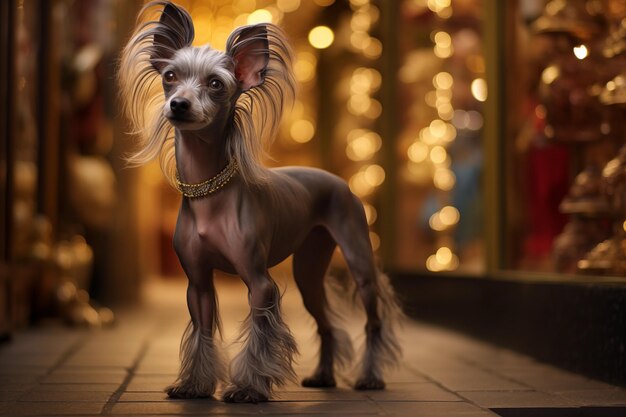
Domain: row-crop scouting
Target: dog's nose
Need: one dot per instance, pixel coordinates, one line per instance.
(179, 105)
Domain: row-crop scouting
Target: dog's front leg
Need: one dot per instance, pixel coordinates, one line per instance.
(267, 355)
(202, 365)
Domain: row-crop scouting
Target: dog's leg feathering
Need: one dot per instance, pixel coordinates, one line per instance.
(202, 363)
(202, 366)
(266, 359)
(382, 349)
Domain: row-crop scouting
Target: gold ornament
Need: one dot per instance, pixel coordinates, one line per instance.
(209, 186)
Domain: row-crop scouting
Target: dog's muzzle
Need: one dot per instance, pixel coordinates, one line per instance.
(179, 106)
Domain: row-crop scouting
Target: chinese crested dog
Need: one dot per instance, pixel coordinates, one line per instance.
(205, 114)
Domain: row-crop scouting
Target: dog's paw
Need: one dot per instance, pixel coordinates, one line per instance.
(369, 383)
(184, 391)
(319, 381)
(234, 394)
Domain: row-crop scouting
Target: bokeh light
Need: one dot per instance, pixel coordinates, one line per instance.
(260, 16)
(321, 37)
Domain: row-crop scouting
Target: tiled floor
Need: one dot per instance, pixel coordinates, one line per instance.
(123, 370)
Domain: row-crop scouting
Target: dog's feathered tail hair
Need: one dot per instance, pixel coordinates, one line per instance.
(382, 350)
(258, 110)
(140, 82)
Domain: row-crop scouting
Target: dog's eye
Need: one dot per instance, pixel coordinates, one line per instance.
(169, 77)
(216, 84)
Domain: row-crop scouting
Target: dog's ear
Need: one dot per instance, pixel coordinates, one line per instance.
(173, 32)
(249, 48)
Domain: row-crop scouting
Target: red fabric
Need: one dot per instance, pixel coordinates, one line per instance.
(548, 183)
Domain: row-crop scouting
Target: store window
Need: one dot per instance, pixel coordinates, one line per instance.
(565, 160)
(440, 94)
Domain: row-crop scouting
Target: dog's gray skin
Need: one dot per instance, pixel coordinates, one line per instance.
(258, 219)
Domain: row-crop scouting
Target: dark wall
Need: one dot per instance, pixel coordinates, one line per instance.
(580, 327)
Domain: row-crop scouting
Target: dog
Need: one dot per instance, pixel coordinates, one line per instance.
(208, 124)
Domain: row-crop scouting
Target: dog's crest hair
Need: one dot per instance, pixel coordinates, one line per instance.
(257, 111)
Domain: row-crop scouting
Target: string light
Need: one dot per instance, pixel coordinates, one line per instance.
(444, 179)
(243, 6)
(373, 48)
(370, 213)
(418, 152)
(581, 52)
(550, 74)
(443, 81)
(449, 215)
(260, 16)
(441, 7)
(374, 175)
(428, 159)
(364, 146)
(321, 37)
(288, 6)
(362, 83)
(375, 241)
(479, 89)
(302, 131)
(358, 3)
(304, 67)
(438, 154)
(443, 45)
(430, 146)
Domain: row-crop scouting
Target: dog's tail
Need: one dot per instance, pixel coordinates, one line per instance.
(385, 350)
(385, 347)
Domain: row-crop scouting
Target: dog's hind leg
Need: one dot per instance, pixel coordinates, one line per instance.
(310, 263)
(266, 359)
(202, 365)
(382, 350)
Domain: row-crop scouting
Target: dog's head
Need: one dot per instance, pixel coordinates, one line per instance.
(241, 91)
(202, 84)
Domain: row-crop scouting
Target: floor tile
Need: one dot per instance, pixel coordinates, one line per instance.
(331, 407)
(182, 407)
(305, 395)
(10, 395)
(84, 378)
(11, 370)
(150, 382)
(44, 360)
(18, 379)
(516, 399)
(424, 391)
(65, 396)
(76, 387)
(165, 366)
(114, 361)
(473, 380)
(66, 408)
(404, 375)
(604, 397)
(556, 380)
(433, 409)
(143, 397)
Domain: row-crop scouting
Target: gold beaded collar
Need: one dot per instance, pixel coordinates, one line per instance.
(209, 186)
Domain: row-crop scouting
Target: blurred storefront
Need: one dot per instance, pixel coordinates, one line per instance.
(484, 137)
